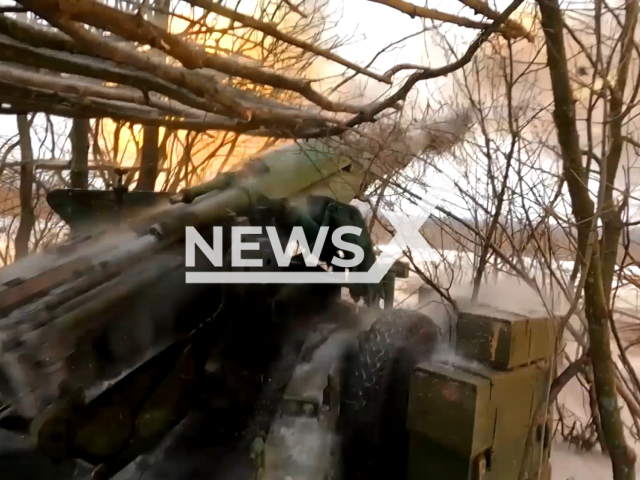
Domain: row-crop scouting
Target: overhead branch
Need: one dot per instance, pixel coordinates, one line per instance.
(77, 87)
(22, 99)
(272, 31)
(37, 36)
(108, 71)
(129, 56)
(429, 13)
(516, 29)
(15, 52)
(295, 8)
(428, 73)
(199, 95)
(369, 113)
(96, 109)
(414, 11)
(68, 15)
(80, 88)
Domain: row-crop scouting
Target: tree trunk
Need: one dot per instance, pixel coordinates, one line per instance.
(150, 159)
(595, 412)
(27, 215)
(596, 306)
(80, 130)
(611, 215)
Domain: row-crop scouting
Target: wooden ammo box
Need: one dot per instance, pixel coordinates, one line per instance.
(471, 421)
(504, 340)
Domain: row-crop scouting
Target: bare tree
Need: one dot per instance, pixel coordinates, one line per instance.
(598, 257)
(27, 215)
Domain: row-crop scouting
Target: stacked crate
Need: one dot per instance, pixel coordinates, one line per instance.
(471, 420)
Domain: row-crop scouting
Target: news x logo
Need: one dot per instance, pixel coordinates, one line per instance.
(408, 236)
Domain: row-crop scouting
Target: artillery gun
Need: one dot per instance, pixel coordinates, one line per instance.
(104, 348)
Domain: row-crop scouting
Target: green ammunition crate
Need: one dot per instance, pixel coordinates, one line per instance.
(506, 341)
(472, 423)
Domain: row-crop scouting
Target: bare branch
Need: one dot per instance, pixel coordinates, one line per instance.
(516, 29)
(429, 13)
(260, 26)
(65, 13)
